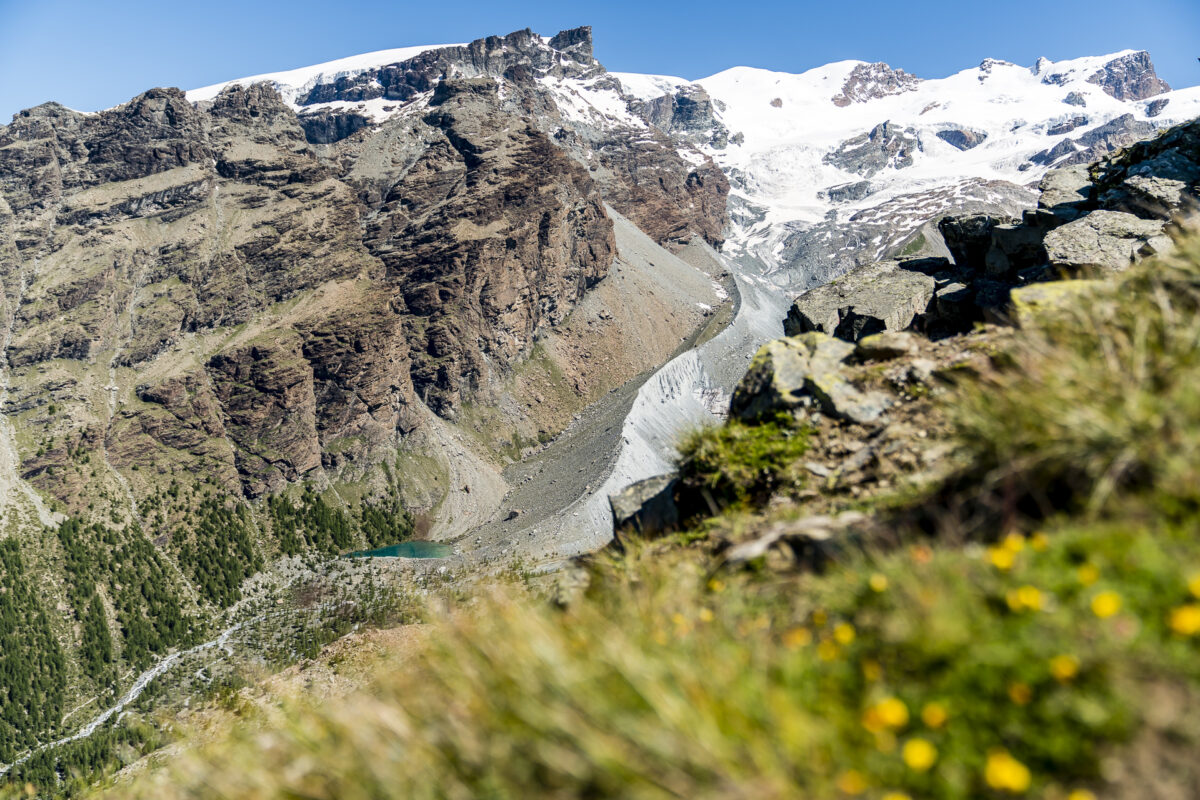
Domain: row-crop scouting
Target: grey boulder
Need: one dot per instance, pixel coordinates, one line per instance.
(1103, 241)
(1065, 192)
(646, 507)
(883, 296)
(801, 371)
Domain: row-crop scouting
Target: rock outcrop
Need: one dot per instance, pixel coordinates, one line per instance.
(1088, 220)
(1102, 241)
(883, 146)
(1096, 143)
(801, 372)
(962, 138)
(1130, 77)
(868, 82)
(884, 296)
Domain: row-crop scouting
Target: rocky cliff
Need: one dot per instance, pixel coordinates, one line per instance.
(214, 283)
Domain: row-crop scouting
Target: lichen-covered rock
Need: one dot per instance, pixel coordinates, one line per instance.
(1065, 192)
(777, 375)
(800, 371)
(886, 346)
(1103, 241)
(1027, 302)
(1160, 186)
(884, 296)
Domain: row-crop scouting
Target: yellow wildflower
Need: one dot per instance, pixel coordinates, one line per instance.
(1026, 598)
(1014, 542)
(934, 715)
(896, 796)
(844, 633)
(1087, 574)
(1064, 667)
(851, 782)
(1005, 773)
(1106, 604)
(890, 712)
(716, 585)
(1020, 693)
(1039, 542)
(1185, 620)
(1194, 585)
(1001, 558)
(797, 637)
(706, 615)
(919, 754)
(1081, 794)
(827, 650)
(878, 582)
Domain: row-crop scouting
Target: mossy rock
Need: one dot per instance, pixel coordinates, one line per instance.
(1028, 302)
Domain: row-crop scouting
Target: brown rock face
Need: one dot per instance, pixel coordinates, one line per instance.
(640, 172)
(663, 195)
(492, 234)
(270, 410)
(237, 292)
(278, 313)
(1130, 77)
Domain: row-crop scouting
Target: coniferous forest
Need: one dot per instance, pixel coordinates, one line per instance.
(32, 665)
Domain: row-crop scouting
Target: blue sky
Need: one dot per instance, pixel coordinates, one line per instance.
(91, 55)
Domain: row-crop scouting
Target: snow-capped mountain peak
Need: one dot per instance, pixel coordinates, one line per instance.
(801, 151)
(293, 84)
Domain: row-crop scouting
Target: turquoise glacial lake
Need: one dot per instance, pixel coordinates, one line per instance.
(406, 550)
